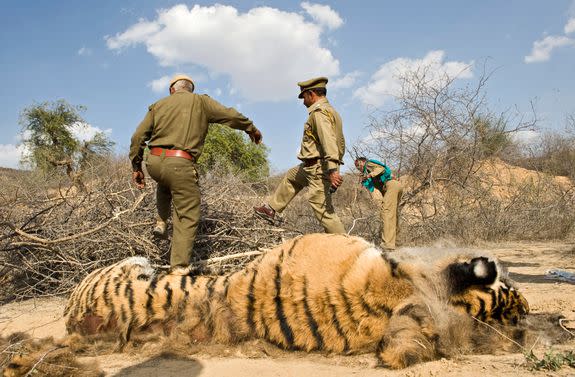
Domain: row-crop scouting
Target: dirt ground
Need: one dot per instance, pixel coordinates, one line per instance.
(527, 263)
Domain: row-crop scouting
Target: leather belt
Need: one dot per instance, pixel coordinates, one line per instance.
(171, 153)
(310, 161)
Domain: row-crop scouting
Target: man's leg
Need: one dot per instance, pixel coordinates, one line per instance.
(182, 179)
(154, 166)
(389, 213)
(319, 198)
(292, 183)
(377, 197)
(163, 202)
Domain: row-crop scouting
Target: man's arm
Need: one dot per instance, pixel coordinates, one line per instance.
(374, 169)
(137, 145)
(228, 116)
(325, 129)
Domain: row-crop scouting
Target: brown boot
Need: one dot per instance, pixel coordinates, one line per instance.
(160, 229)
(265, 212)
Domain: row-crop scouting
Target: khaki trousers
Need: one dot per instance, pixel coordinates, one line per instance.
(388, 199)
(177, 180)
(315, 179)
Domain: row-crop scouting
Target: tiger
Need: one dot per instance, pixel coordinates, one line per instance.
(331, 293)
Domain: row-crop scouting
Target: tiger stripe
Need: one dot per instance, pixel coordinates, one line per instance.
(337, 323)
(347, 307)
(168, 304)
(280, 315)
(251, 301)
(312, 323)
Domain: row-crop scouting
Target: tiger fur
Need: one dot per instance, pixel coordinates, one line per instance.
(323, 292)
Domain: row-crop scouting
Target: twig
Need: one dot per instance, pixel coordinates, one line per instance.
(561, 320)
(353, 224)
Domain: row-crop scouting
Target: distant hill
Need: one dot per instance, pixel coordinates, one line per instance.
(12, 172)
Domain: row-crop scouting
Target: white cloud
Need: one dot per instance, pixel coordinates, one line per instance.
(323, 14)
(11, 154)
(261, 49)
(570, 26)
(542, 49)
(346, 81)
(385, 84)
(85, 51)
(84, 131)
(137, 33)
(160, 85)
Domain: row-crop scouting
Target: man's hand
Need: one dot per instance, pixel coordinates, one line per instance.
(335, 179)
(138, 179)
(255, 136)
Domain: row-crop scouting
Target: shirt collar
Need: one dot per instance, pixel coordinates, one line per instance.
(317, 104)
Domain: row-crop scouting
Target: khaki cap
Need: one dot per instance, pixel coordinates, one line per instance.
(318, 82)
(182, 77)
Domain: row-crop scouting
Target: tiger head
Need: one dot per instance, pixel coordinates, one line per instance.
(480, 288)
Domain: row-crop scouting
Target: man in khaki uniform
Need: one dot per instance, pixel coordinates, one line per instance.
(321, 153)
(174, 130)
(386, 193)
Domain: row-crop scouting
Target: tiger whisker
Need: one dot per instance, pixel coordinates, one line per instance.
(500, 333)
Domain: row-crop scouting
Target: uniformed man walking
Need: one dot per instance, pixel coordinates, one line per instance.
(321, 153)
(175, 129)
(386, 192)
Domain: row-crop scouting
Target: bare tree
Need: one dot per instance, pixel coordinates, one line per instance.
(439, 130)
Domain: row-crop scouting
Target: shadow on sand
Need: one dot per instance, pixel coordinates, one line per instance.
(165, 366)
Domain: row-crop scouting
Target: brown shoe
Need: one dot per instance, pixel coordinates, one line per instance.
(265, 212)
(160, 229)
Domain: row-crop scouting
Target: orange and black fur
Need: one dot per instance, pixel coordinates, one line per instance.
(323, 292)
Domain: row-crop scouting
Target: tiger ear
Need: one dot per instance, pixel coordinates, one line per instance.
(477, 271)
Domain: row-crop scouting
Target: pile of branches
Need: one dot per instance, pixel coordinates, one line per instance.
(52, 234)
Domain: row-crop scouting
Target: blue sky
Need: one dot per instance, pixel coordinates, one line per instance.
(114, 57)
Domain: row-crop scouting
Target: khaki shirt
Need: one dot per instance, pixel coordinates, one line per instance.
(372, 169)
(180, 121)
(323, 135)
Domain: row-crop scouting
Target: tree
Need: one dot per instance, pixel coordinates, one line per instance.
(48, 135)
(228, 151)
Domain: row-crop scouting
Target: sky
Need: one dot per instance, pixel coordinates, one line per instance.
(115, 57)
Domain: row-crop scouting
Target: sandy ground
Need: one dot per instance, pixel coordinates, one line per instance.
(527, 263)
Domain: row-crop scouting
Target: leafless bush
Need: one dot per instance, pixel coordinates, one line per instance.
(553, 153)
(52, 235)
